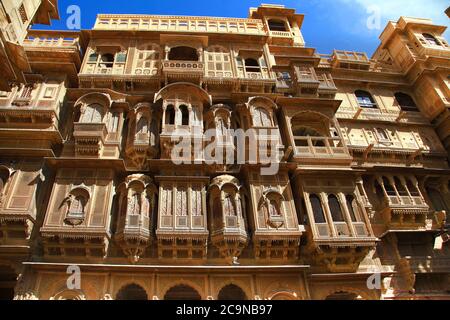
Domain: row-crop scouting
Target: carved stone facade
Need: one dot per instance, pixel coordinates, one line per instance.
(88, 175)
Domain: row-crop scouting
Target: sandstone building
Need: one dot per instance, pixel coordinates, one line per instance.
(87, 179)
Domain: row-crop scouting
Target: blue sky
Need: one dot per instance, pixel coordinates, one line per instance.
(329, 24)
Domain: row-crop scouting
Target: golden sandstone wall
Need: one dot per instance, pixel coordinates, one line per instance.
(337, 187)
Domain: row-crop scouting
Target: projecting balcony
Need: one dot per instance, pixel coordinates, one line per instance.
(307, 81)
(325, 149)
(350, 60)
(32, 121)
(326, 85)
(339, 246)
(404, 212)
(183, 70)
(84, 242)
(134, 235)
(55, 51)
(89, 138)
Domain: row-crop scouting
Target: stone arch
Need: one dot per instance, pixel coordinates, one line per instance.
(94, 97)
(260, 101)
(184, 87)
(183, 52)
(69, 295)
(313, 120)
(232, 291)
(358, 293)
(283, 295)
(222, 180)
(183, 291)
(131, 291)
(245, 287)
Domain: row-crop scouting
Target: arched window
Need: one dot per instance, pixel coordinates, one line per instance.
(277, 25)
(134, 204)
(142, 125)
(400, 187)
(335, 208)
(412, 188)
(228, 206)
(365, 99)
(405, 102)
(317, 208)
(170, 114)
(221, 128)
(261, 118)
(431, 40)
(389, 187)
(252, 65)
(182, 292)
(77, 202)
(147, 61)
(184, 115)
(92, 114)
(352, 208)
(183, 53)
(436, 199)
(274, 208)
(132, 292)
(231, 292)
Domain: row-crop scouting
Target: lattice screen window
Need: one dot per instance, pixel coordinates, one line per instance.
(181, 201)
(92, 114)
(166, 201)
(23, 14)
(196, 202)
(113, 123)
(261, 118)
(26, 92)
(219, 62)
(147, 61)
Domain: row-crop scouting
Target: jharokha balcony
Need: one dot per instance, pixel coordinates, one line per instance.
(180, 69)
(319, 147)
(340, 234)
(89, 138)
(314, 137)
(399, 204)
(350, 60)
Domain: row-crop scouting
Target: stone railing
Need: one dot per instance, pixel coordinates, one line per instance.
(180, 24)
(54, 39)
(319, 146)
(187, 67)
(283, 34)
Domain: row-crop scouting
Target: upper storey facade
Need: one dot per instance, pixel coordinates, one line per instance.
(362, 154)
(15, 19)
